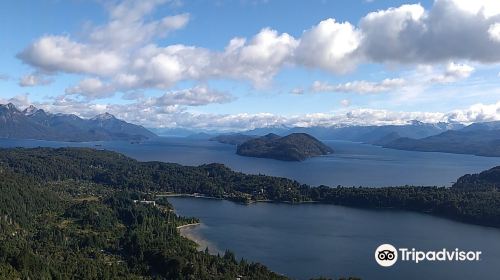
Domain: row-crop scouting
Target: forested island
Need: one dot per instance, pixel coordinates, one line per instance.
(293, 147)
(87, 213)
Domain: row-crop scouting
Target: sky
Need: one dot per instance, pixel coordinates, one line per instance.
(242, 64)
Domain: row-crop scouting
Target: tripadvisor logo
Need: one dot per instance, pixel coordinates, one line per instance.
(387, 255)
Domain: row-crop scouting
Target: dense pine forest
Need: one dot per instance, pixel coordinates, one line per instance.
(62, 228)
(77, 213)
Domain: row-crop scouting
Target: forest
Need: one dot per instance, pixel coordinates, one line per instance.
(76, 213)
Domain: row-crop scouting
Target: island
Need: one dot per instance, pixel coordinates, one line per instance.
(293, 147)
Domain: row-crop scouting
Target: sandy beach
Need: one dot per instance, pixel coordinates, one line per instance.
(188, 232)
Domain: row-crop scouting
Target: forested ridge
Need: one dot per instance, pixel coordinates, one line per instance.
(61, 228)
(70, 213)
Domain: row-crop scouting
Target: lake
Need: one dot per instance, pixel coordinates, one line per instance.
(309, 240)
(352, 164)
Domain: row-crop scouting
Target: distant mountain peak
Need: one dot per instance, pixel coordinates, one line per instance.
(103, 117)
(9, 106)
(271, 136)
(30, 110)
(416, 122)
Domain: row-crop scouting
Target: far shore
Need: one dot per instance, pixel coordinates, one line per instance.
(198, 195)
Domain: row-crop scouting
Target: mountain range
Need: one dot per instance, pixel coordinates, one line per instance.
(482, 139)
(373, 134)
(34, 123)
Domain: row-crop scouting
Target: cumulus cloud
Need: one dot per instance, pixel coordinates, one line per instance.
(60, 54)
(196, 96)
(476, 113)
(126, 27)
(424, 76)
(91, 88)
(258, 60)
(360, 86)
(450, 30)
(330, 45)
(34, 80)
(453, 73)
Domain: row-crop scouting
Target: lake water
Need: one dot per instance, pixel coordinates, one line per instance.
(352, 164)
(309, 240)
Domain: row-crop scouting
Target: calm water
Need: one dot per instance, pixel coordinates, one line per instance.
(351, 164)
(309, 240)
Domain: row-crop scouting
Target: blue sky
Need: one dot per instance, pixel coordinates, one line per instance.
(241, 64)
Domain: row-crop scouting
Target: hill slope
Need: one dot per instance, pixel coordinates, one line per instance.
(294, 147)
(232, 139)
(486, 180)
(477, 139)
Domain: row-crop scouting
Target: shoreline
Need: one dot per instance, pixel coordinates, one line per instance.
(201, 244)
(188, 225)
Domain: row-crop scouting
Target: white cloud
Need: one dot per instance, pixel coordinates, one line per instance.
(61, 54)
(454, 72)
(126, 27)
(450, 30)
(485, 8)
(476, 113)
(360, 86)
(494, 32)
(21, 100)
(258, 60)
(34, 79)
(423, 77)
(91, 88)
(196, 96)
(297, 90)
(330, 45)
(345, 102)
